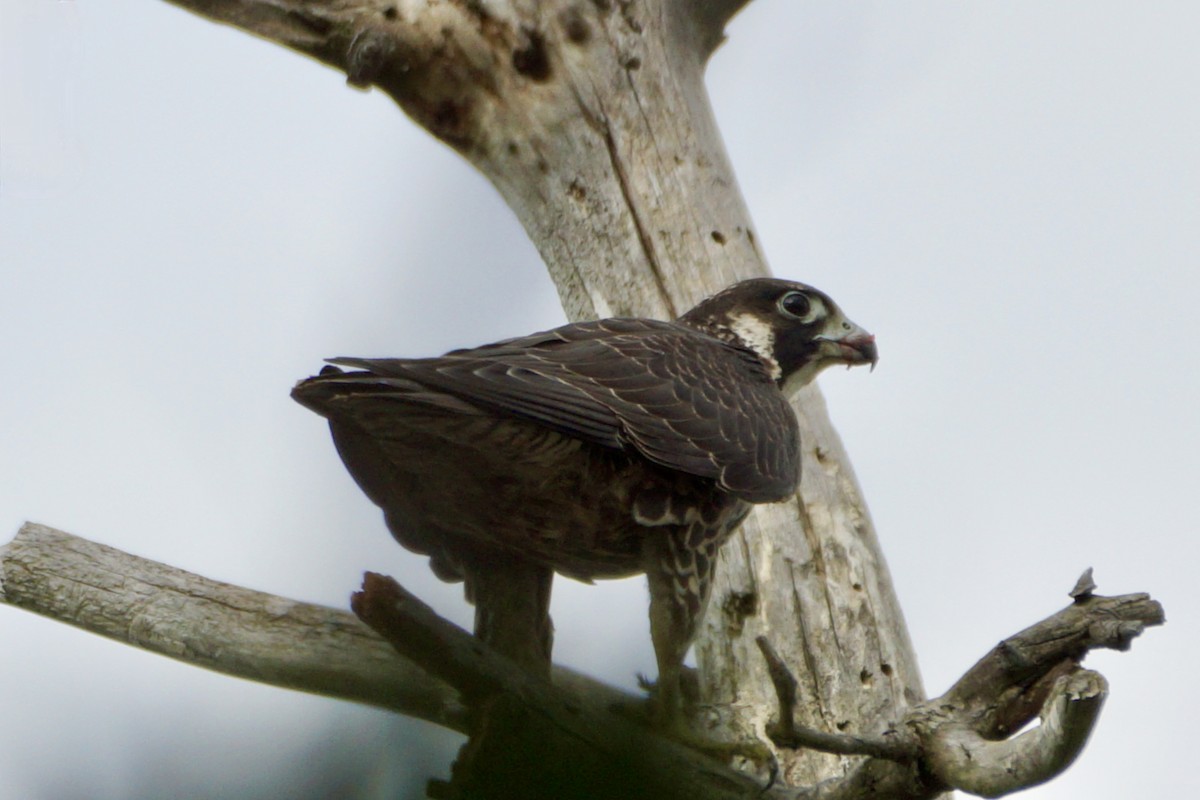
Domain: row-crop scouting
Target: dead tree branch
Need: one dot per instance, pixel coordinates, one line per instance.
(423, 665)
(529, 739)
(960, 740)
(229, 629)
(520, 722)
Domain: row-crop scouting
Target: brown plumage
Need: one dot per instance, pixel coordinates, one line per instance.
(597, 450)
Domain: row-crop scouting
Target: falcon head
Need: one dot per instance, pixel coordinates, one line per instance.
(795, 329)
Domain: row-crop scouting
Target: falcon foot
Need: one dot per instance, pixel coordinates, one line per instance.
(670, 720)
(726, 752)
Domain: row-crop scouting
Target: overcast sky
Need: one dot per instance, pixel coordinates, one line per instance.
(1008, 195)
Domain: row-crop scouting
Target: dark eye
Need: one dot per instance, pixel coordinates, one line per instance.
(795, 304)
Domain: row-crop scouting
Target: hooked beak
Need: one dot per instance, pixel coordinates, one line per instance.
(854, 346)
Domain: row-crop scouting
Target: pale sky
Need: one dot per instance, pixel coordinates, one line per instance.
(1008, 195)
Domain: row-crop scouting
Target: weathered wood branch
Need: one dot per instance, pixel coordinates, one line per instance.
(529, 739)
(313, 648)
(565, 739)
(960, 757)
(229, 629)
(961, 739)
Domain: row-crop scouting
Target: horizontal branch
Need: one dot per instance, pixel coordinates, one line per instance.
(321, 650)
(440, 60)
(316, 649)
(334, 30)
(454, 66)
(229, 629)
(435, 644)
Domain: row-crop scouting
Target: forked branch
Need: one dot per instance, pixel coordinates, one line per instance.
(955, 741)
(960, 740)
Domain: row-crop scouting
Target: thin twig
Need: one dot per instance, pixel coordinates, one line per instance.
(785, 689)
(891, 746)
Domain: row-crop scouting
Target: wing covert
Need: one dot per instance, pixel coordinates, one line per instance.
(682, 399)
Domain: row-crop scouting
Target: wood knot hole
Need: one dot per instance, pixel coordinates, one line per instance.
(531, 59)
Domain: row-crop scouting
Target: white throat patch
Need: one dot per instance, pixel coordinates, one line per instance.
(759, 337)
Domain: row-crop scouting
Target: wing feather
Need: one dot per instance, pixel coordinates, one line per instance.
(683, 400)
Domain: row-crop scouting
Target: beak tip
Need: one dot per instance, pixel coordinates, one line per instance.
(868, 350)
(857, 348)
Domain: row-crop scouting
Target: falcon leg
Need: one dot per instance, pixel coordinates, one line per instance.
(512, 609)
(680, 579)
(671, 631)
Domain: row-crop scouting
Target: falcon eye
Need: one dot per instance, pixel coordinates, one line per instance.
(795, 304)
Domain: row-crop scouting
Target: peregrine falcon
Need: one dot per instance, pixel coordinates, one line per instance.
(596, 450)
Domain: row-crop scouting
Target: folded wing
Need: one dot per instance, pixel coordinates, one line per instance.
(686, 401)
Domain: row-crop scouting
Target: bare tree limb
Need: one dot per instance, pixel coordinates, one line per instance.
(963, 759)
(229, 629)
(215, 625)
(530, 739)
(997, 689)
(956, 741)
(959, 740)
